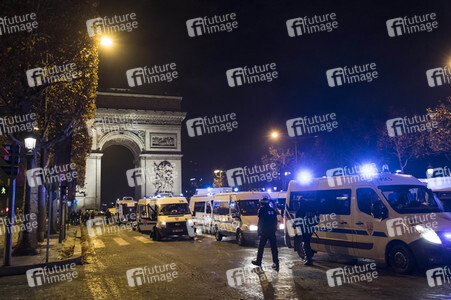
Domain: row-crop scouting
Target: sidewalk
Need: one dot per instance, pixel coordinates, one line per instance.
(67, 252)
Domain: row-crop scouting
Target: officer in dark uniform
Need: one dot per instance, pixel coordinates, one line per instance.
(310, 219)
(267, 227)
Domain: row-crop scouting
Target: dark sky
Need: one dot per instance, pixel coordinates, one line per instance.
(301, 88)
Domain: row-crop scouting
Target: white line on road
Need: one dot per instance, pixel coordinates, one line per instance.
(144, 240)
(121, 242)
(98, 243)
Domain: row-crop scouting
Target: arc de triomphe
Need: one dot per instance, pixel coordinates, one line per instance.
(150, 127)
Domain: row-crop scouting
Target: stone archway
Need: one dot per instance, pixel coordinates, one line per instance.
(152, 136)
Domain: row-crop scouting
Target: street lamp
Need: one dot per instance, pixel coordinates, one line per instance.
(30, 144)
(106, 41)
(274, 135)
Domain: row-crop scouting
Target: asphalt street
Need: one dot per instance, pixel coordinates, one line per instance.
(201, 267)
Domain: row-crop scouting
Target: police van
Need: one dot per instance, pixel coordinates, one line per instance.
(168, 216)
(235, 214)
(126, 210)
(202, 208)
(393, 219)
(441, 186)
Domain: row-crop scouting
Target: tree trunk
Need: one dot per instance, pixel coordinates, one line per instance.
(28, 242)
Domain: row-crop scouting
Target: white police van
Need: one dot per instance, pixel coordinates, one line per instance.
(393, 219)
(235, 214)
(202, 209)
(169, 216)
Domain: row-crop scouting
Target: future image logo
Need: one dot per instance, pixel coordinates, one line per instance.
(418, 123)
(257, 173)
(108, 25)
(14, 24)
(311, 125)
(249, 75)
(210, 25)
(349, 275)
(438, 276)
(349, 75)
(149, 75)
(209, 125)
(47, 75)
(438, 76)
(409, 25)
(310, 25)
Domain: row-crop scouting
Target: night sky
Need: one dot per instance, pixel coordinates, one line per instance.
(301, 88)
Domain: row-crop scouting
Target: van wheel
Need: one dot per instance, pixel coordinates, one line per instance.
(218, 236)
(156, 235)
(240, 238)
(401, 259)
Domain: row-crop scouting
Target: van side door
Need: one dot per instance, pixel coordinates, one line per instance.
(335, 230)
(370, 239)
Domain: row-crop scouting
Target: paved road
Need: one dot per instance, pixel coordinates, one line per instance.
(201, 267)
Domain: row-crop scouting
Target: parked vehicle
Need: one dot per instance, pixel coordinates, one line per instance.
(393, 219)
(126, 210)
(169, 216)
(235, 214)
(441, 186)
(202, 209)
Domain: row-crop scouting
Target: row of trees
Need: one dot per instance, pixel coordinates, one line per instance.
(62, 108)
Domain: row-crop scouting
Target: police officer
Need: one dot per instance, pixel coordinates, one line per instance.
(310, 219)
(267, 227)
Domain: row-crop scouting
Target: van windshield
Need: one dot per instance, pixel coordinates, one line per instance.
(249, 207)
(174, 209)
(409, 199)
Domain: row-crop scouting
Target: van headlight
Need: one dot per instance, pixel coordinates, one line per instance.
(253, 228)
(428, 234)
(281, 226)
(162, 224)
(190, 222)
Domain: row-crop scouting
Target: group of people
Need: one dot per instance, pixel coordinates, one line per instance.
(81, 217)
(267, 227)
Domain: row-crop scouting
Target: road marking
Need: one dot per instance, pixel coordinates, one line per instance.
(98, 243)
(144, 240)
(121, 242)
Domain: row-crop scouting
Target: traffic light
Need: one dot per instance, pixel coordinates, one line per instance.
(3, 190)
(10, 155)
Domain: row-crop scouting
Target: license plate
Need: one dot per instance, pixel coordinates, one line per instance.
(177, 230)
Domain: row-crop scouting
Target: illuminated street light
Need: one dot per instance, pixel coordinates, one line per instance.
(274, 134)
(106, 41)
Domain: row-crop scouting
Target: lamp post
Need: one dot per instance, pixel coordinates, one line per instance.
(25, 247)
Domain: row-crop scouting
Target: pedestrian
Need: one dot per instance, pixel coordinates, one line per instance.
(267, 227)
(72, 218)
(310, 219)
(107, 216)
(85, 217)
(78, 217)
(92, 214)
